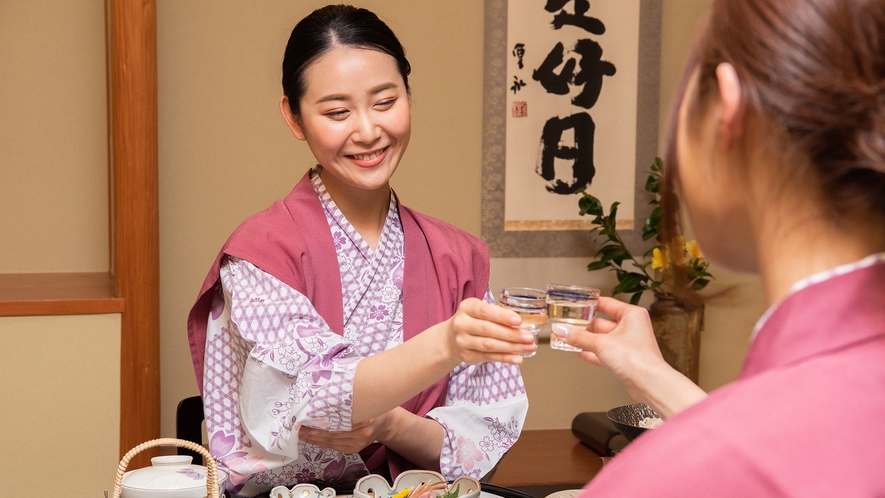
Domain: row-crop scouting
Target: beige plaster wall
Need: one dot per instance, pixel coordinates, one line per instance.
(60, 389)
(53, 137)
(60, 421)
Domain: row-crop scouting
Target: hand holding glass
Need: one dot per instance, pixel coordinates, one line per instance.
(571, 305)
(531, 306)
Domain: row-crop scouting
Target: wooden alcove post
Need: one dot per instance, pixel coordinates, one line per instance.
(132, 101)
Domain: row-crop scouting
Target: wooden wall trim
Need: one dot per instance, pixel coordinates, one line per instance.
(135, 217)
(37, 294)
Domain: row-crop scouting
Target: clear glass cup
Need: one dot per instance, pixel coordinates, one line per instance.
(531, 305)
(572, 305)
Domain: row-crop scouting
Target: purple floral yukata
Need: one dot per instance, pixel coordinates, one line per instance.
(272, 364)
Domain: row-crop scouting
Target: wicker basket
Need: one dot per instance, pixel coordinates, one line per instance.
(211, 474)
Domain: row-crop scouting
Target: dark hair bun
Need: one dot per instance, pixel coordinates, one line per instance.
(327, 28)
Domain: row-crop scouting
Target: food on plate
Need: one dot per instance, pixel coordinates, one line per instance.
(650, 422)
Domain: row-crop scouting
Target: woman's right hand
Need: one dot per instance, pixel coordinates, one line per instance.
(626, 346)
(480, 332)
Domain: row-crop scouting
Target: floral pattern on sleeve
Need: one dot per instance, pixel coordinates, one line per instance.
(485, 408)
(272, 364)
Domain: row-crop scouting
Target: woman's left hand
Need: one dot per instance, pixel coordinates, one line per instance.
(361, 435)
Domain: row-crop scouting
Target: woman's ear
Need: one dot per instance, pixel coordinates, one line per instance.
(291, 120)
(730, 97)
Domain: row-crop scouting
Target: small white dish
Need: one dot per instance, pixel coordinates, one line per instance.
(566, 493)
(375, 486)
(302, 491)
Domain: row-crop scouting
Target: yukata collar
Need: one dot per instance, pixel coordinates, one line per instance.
(816, 279)
(826, 312)
(392, 224)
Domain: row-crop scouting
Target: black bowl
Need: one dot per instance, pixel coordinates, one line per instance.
(627, 418)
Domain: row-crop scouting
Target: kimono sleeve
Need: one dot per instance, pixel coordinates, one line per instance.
(483, 415)
(292, 370)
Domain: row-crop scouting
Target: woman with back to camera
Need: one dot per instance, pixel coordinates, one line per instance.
(339, 332)
(779, 153)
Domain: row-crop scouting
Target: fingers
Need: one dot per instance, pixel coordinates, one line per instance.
(316, 437)
(583, 338)
(325, 436)
(601, 325)
(482, 357)
(574, 336)
(478, 349)
(481, 332)
(612, 307)
(489, 312)
(486, 332)
(345, 441)
(489, 334)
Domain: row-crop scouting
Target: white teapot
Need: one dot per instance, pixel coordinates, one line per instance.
(171, 476)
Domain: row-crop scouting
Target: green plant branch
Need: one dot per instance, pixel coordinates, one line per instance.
(613, 253)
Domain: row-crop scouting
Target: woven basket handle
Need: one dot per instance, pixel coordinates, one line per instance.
(211, 475)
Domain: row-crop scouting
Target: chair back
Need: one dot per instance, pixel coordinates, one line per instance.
(189, 425)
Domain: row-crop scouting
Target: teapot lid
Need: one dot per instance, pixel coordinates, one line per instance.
(172, 472)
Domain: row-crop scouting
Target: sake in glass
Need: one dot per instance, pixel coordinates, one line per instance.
(571, 305)
(531, 305)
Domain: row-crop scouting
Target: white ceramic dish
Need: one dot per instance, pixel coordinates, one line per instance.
(302, 491)
(568, 493)
(375, 486)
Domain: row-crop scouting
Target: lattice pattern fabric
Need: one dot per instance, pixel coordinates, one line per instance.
(273, 364)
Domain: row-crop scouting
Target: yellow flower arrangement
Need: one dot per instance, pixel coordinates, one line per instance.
(660, 259)
(635, 277)
(693, 250)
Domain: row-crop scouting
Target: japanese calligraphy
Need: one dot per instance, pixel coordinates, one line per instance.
(581, 154)
(519, 53)
(586, 72)
(589, 24)
(517, 84)
(569, 126)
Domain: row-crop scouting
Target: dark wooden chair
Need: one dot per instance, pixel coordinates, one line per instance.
(189, 425)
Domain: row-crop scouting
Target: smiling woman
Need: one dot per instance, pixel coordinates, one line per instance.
(311, 303)
(357, 129)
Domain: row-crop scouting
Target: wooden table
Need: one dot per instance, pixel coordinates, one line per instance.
(541, 462)
(544, 461)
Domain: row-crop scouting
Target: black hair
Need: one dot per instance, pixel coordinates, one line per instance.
(330, 27)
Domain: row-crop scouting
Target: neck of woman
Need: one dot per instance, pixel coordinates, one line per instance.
(365, 210)
(794, 244)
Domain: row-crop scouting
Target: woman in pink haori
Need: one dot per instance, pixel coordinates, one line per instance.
(340, 333)
(778, 149)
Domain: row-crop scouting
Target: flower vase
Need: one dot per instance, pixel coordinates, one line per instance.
(678, 328)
